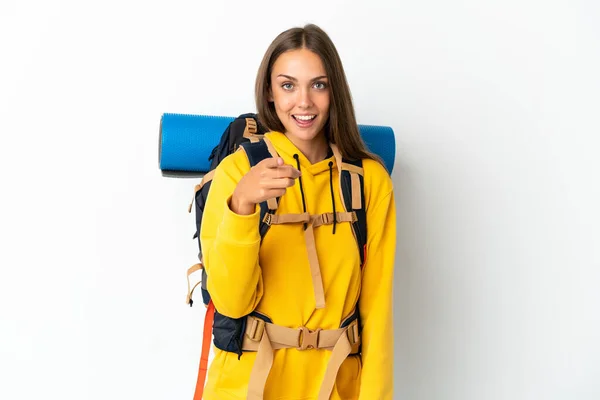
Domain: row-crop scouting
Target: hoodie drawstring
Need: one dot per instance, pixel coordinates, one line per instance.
(301, 188)
(330, 187)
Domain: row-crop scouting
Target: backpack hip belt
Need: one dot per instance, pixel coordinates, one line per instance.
(265, 337)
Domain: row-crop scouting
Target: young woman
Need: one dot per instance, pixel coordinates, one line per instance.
(329, 330)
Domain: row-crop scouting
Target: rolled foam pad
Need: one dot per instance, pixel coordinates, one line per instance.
(186, 142)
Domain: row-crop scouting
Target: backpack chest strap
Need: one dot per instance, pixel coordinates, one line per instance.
(314, 220)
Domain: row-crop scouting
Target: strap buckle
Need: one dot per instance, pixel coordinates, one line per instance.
(327, 218)
(267, 218)
(256, 329)
(308, 339)
(251, 125)
(352, 332)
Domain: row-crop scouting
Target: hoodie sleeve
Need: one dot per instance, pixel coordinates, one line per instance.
(376, 302)
(230, 243)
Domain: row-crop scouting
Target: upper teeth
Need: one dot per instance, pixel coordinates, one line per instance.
(305, 117)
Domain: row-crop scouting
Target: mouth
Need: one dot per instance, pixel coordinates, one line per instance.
(304, 121)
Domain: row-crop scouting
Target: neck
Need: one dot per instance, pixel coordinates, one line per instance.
(314, 150)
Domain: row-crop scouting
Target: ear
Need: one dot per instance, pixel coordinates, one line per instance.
(270, 95)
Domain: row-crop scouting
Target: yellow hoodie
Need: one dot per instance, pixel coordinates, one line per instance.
(274, 278)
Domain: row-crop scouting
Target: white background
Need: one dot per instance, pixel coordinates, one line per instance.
(495, 105)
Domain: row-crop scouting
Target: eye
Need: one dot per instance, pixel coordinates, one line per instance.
(320, 85)
(287, 86)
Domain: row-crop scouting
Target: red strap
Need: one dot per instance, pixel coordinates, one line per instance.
(206, 340)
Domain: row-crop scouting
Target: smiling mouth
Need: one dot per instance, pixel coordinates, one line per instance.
(304, 118)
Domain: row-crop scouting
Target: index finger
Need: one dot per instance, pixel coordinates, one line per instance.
(273, 162)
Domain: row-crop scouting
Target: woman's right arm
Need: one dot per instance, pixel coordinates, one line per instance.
(229, 234)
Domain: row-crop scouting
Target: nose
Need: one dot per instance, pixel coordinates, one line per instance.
(304, 100)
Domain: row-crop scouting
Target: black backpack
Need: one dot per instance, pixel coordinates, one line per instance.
(243, 129)
(246, 131)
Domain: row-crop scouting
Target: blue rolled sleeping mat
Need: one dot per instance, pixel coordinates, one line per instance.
(186, 142)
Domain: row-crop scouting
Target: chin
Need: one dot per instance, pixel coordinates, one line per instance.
(305, 136)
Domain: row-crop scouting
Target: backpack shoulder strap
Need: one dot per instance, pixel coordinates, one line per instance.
(353, 186)
(256, 152)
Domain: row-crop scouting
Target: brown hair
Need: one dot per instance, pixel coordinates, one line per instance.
(341, 127)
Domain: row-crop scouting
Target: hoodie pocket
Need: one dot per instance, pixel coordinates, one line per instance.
(347, 382)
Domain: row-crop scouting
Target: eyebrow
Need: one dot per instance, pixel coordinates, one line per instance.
(291, 78)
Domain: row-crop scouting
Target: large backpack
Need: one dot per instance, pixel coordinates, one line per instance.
(246, 131)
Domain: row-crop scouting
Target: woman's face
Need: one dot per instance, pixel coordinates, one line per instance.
(300, 92)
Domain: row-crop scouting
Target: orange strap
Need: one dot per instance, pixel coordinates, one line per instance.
(208, 324)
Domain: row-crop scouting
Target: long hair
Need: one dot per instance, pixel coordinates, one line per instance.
(341, 127)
